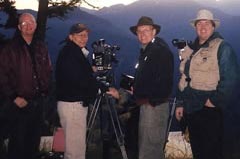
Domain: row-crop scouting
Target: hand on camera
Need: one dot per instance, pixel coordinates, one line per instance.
(130, 91)
(113, 92)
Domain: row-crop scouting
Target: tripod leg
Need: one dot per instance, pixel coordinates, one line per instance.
(92, 117)
(170, 122)
(124, 152)
(117, 128)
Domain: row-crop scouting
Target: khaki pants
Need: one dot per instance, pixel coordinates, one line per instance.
(73, 118)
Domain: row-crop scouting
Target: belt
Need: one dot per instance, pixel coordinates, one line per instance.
(152, 102)
(142, 101)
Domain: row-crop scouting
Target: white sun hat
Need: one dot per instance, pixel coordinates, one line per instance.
(205, 15)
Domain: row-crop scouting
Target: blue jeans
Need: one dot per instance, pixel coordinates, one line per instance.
(153, 123)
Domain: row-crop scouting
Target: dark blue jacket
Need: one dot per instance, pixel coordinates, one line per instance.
(154, 75)
(74, 75)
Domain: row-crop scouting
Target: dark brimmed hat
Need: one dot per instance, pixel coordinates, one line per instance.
(77, 28)
(145, 21)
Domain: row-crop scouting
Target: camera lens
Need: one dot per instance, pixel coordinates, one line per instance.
(180, 44)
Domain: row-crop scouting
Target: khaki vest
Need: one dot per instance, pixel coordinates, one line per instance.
(204, 69)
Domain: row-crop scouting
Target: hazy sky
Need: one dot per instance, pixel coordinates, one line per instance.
(228, 6)
(33, 4)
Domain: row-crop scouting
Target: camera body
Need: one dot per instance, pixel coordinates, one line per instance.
(103, 55)
(179, 43)
(103, 58)
(126, 81)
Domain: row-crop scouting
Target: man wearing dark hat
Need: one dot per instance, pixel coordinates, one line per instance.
(152, 88)
(209, 73)
(76, 88)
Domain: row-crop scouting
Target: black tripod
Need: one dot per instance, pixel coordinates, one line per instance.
(170, 122)
(114, 120)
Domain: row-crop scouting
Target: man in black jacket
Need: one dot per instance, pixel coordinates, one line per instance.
(152, 88)
(76, 88)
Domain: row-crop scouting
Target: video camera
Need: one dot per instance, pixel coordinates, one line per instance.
(180, 43)
(103, 55)
(103, 58)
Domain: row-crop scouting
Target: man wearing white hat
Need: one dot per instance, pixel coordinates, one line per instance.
(209, 73)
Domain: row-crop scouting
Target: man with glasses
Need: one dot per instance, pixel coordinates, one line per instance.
(152, 88)
(25, 72)
(76, 89)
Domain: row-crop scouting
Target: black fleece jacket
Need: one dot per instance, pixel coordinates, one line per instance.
(74, 75)
(154, 75)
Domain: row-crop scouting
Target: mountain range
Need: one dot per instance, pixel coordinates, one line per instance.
(112, 24)
(228, 6)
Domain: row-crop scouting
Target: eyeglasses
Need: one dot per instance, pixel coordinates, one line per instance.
(23, 24)
(147, 31)
(81, 35)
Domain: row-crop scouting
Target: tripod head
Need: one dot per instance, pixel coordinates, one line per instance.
(105, 79)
